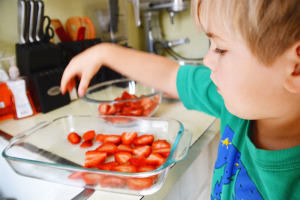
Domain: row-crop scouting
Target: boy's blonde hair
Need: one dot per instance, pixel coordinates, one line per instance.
(269, 27)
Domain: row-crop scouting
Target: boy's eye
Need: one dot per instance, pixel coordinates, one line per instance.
(220, 51)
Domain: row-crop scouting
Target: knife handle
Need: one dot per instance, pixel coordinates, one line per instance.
(33, 20)
(40, 19)
(21, 21)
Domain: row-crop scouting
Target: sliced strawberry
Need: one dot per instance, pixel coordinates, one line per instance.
(100, 138)
(142, 151)
(109, 148)
(112, 182)
(124, 168)
(137, 161)
(146, 103)
(149, 110)
(155, 159)
(139, 183)
(132, 111)
(92, 178)
(74, 138)
(89, 135)
(122, 157)
(75, 175)
(124, 148)
(159, 144)
(126, 95)
(143, 140)
(165, 152)
(115, 139)
(94, 158)
(87, 143)
(146, 168)
(107, 166)
(128, 137)
(111, 110)
(103, 108)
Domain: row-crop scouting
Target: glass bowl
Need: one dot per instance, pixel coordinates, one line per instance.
(44, 152)
(123, 97)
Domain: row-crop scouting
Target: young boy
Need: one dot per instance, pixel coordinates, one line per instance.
(252, 85)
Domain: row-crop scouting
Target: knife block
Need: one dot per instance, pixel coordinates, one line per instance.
(37, 57)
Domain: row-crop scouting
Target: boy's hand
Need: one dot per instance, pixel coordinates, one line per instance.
(83, 66)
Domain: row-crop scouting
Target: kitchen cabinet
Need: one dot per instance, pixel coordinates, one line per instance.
(190, 176)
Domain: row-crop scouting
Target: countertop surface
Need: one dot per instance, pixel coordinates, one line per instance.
(203, 128)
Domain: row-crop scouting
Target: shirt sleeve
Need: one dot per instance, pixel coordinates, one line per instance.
(197, 91)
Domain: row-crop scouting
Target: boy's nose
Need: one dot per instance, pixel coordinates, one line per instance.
(209, 60)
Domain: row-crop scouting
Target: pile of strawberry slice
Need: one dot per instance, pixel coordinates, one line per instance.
(142, 107)
(128, 153)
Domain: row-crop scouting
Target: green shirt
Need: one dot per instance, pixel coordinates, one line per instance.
(241, 171)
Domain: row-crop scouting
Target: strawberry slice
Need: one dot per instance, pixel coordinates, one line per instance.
(143, 140)
(115, 139)
(92, 178)
(130, 111)
(155, 159)
(122, 157)
(124, 168)
(112, 182)
(137, 161)
(126, 95)
(165, 152)
(87, 143)
(89, 135)
(111, 110)
(139, 183)
(146, 168)
(149, 109)
(94, 158)
(142, 151)
(107, 166)
(128, 137)
(100, 138)
(108, 148)
(159, 144)
(124, 148)
(75, 175)
(74, 138)
(103, 108)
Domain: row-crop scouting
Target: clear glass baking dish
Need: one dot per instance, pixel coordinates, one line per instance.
(43, 152)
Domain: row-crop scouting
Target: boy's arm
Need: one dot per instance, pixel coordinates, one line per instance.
(149, 69)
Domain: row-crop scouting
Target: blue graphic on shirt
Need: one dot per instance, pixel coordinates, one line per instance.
(230, 172)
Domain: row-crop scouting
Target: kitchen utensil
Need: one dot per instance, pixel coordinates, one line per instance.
(48, 32)
(75, 28)
(22, 21)
(90, 29)
(33, 20)
(52, 136)
(60, 31)
(105, 93)
(39, 23)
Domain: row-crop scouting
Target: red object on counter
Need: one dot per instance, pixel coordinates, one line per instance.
(6, 102)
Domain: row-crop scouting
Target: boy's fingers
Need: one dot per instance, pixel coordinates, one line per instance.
(83, 85)
(67, 82)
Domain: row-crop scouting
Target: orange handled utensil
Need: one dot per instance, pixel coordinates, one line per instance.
(60, 31)
(75, 28)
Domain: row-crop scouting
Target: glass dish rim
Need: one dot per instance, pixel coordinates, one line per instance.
(162, 168)
(90, 89)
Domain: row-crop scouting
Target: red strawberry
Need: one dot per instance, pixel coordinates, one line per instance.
(145, 168)
(94, 158)
(124, 168)
(128, 137)
(109, 148)
(103, 108)
(137, 161)
(155, 159)
(149, 110)
(92, 178)
(111, 110)
(165, 152)
(116, 139)
(146, 103)
(139, 183)
(144, 139)
(75, 175)
(89, 135)
(126, 95)
(107, 166)
(100, 138)
(133, 111)
(112, 181)
(142, 151)
(159, 144)
(87, 143)
(124, 148)
(122, 157)
(74, 138)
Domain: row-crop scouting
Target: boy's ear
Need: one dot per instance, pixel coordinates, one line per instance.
(293, 81)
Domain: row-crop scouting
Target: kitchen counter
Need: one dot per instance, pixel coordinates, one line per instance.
(204, 129)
